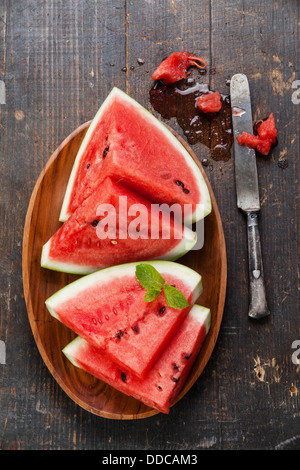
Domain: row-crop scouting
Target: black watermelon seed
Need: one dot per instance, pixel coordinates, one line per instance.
(187, 356)
(123, 376)
(175, 366)
(283, 163)
(179, 183)
(95, 223)
(119, 334)
(159, 387)
(88, 165)
(173, 285)
(161, 311)
(175, 379)
(185, 190)
(105, 152)
(136, 328)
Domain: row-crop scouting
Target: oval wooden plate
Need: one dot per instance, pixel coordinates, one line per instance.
(39, 283)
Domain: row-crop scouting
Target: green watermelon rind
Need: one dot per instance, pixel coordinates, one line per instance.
(203, 189)
(188, 275)
(184, 246)
(198, 312)
(64, 213)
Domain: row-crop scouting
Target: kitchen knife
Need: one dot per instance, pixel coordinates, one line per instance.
(247, 191)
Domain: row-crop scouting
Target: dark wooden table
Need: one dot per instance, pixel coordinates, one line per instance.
(58, 61)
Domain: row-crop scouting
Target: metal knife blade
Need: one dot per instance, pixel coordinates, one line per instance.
(245, 159)
(248, 192)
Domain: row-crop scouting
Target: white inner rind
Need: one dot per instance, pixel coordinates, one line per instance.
(202, 187)
(47, 262)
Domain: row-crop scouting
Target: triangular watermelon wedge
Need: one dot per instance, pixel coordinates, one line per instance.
(79, 246)
(165, 379)
(107, 309)
(128, 143)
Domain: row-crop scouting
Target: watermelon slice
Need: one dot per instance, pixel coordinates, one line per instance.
(164, 381)
(128, 143)
(79, 247)
(107, 309)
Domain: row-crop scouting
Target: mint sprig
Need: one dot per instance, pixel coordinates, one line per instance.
(174, 297)
(154, 283)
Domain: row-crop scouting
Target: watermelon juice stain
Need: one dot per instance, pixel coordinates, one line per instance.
(179, 100)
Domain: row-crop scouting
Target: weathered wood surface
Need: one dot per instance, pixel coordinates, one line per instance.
(58, 61)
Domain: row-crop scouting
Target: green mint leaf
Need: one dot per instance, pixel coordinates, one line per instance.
(151, 280)
(151, 295)
(149, 277)
(174, 297)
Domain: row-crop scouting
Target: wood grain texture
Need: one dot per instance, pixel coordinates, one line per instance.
(60, 59)
(39, 284)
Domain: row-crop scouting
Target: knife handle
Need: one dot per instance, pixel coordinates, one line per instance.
(258, 307)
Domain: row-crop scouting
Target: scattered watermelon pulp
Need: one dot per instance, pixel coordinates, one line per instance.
(127, 143)
(107, 309)
(165, 379)
(210, 102)
(79, 245)
(264, 140)
(175, 67)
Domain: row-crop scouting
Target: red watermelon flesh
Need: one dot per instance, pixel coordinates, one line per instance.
(165, 379)
(136, 348)
(104, 306)
(128, 143)
(79, 247)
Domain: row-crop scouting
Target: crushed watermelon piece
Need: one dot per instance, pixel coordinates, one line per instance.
(266, 136)
(175, 67)
(267, 129)
(210, 102)
(165, 379)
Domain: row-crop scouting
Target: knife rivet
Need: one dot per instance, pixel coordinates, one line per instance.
(256, 273)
